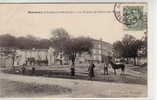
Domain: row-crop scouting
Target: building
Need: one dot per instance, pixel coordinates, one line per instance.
(100, 50)
(6, 56)
(34, 56)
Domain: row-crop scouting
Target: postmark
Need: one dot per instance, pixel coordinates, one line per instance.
(118, 12)
(130, 16)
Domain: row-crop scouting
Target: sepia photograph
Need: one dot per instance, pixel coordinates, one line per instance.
(74, 50)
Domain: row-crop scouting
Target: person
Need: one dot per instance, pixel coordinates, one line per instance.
(106, 65)
(91, 71)
(23, 70)
(105, 68)
(72, 70)
(33, 70)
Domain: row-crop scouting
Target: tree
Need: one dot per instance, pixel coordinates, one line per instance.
(128, 47)
(134, 47)
(44, 43)
(144, 46)
(7, 40)
(11, 43)
(70, 46)
(118, 49)
(77, 46)
(59, 39)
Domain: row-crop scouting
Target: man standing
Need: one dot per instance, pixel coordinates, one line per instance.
(91, 71)
(105, 68)
(106, 65)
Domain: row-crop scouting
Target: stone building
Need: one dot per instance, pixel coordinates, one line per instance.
(100, 50)
(40, 55)
(6, 57)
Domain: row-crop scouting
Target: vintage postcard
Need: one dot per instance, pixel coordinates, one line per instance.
(73, 50)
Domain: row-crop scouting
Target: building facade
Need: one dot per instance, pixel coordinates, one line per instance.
(33, 56)
(6, 56)
(100, 50)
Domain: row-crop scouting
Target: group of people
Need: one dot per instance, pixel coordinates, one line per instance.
(91, 67)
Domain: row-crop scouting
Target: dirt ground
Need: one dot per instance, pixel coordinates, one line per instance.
(32, 86)
(55, 82)
(18, 89)
(133, 74)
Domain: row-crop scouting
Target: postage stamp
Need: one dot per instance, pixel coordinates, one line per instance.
(132, 17)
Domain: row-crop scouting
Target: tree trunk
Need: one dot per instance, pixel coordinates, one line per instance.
(73, 67)
(61, 62)
(134, 60)
(13, 58)
(13, 61)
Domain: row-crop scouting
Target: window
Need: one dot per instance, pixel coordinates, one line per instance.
(99, 45)
(93, 51)
(94, 57)
(99, 51)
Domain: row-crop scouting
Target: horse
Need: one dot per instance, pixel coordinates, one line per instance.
(117, 66)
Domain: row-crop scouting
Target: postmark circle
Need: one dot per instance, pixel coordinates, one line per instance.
(117, 12)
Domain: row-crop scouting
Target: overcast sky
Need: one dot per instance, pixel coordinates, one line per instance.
(15, 19)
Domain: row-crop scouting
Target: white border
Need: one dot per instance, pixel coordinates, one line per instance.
(152, 55)
(152, 49)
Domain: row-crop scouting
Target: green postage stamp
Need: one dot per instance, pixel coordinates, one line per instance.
(133, 18)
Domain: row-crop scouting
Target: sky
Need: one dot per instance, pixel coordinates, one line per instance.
(20, 20)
